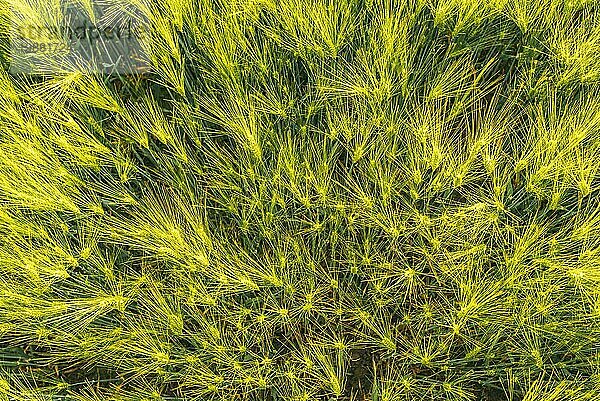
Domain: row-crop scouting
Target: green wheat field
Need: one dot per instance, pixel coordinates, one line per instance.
(298, 200)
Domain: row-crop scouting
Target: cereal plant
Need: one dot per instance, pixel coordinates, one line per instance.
(297, 200)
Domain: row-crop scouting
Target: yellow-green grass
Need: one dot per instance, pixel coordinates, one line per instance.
(308, 200)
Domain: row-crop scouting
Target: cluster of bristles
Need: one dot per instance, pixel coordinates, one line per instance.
(309, 200)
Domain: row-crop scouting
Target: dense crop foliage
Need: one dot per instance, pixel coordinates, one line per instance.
(309, 200)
